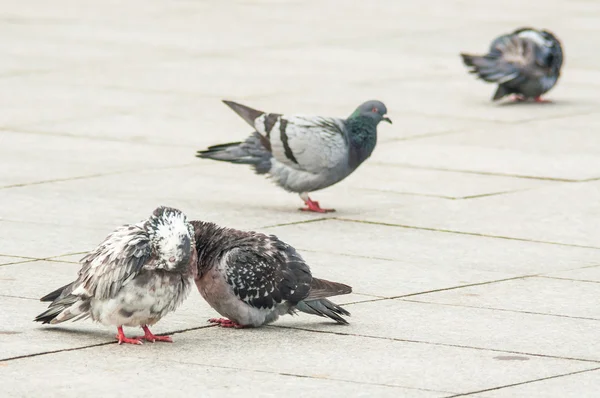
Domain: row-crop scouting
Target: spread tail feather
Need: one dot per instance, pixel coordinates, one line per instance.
(252, 151)
(488, 67)
(325, 308)
(321, 288)
(64, 306)
(55, 294)
(246, 113)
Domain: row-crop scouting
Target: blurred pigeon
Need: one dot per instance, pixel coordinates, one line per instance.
(303, 154)
(252, 279)
(136, 276)
(526, 63)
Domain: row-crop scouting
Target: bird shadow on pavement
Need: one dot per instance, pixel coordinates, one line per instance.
(80, 332)
(537, 104)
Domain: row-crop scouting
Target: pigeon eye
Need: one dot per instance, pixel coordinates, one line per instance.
(375, 110)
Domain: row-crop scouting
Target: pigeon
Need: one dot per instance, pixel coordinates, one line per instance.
(525, 63)
(303, 154)
(136, 276)
(251, 278)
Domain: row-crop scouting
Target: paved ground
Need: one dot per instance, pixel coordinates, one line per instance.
(471, 237)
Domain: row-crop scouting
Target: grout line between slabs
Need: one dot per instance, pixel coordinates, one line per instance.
(19, 297)
(296, 222)
(464, 233)
(401, 340)
(37, 354)
(485, 173)
(97, 175)
(443, 289)
(569, 279)
(525, 382)
(25, 130)
(303, 376)
(33, 260)
(498, 309)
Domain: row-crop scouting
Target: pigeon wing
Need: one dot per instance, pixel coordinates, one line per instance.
(115, 262)
(308, 143)
(264, 277)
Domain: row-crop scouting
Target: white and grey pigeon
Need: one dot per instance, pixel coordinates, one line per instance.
(136, 276)
(251, 279)
(525, 63)
(303, 154)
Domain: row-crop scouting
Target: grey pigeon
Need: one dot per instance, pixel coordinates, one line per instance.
(526, 63)
(136, 276)
(303, 154)
(252, 279)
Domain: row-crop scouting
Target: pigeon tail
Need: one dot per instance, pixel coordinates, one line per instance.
(64, 306)
(252, 152)
(325, 308)
(321, 288)
(246, 113)
(55, 294)
(490, 68)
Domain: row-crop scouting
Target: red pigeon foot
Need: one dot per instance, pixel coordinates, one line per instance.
(226, 323)
(314, 207)
(148, 336)
(122, 339)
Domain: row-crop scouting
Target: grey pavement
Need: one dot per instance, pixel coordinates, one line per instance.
(471, 237)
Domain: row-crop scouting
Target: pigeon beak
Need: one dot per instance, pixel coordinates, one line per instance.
(387, 119)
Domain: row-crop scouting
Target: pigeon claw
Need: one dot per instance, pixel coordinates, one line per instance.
(542, 101)
(148, 336)
(313, 206)
(226, 323)
(122, 339)
(518, 98)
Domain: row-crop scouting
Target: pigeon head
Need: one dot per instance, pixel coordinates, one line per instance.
(547, 40)
(172, 238)
(375, 110)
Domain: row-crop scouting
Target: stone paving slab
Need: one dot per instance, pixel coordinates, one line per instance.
(190, 376)
(570, 386)
(559, 213)
(11, 260)
(560, 297)
(436, 250)
(338, 359)
(591, 274)
(441, 233)
(478, 328)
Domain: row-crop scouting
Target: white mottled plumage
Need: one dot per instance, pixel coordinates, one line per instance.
(136, 276)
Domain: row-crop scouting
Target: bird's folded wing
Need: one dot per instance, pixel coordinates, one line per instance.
(264, 278)
(308, 143)
(115, 262)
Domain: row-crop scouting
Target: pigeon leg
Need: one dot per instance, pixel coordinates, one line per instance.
(313, 205)
(122, 339)
(226, 323)
(518, 98)
(542, 101)
(148, 336)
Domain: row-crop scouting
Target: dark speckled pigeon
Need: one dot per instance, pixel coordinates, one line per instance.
(136, 276)
(303, 154)
(526, 63)
(252, 279)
